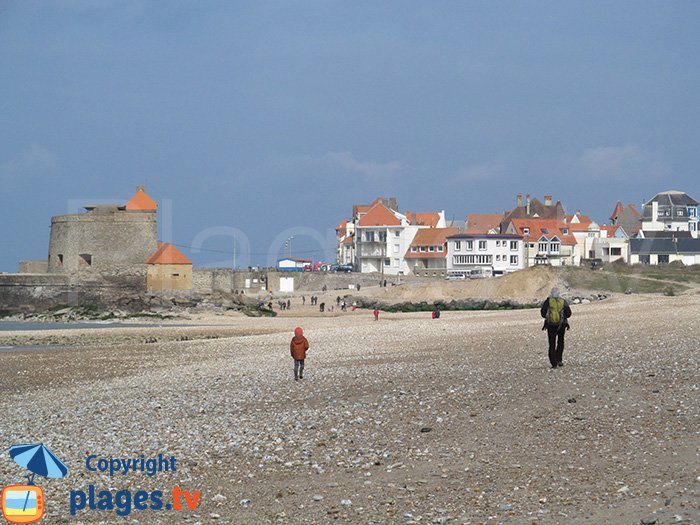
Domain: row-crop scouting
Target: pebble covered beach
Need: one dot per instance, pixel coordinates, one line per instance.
(404, 420)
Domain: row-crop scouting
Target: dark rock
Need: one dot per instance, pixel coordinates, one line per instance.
(426, 429)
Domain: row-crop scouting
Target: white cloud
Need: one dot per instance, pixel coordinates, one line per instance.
(342, 163)
(32, 161)
(621, 162)
(488, 170)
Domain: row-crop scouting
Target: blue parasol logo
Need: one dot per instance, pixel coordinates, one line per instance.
(25, 503)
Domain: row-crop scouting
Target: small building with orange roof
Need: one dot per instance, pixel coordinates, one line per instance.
(141, 201)
(168, 269)
(427, 254)
(546, 241)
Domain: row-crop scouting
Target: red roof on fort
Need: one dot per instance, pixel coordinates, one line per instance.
(141, 201)
(167, 254)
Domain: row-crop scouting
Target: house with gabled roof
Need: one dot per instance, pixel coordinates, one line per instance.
(383, 235)
(545, 241)
(427, 254)
(168, 269)
(533, 208)
(628, 217)
(671, 211)
(679, 247)
(483, 223)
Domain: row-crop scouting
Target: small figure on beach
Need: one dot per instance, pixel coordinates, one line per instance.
(298, 348)
(321, 307)
(337, 301)
(556, 312)
(376, 314)
(358, 287)
(354, 306)
(436, 313)
(303, 300)
(289, 304)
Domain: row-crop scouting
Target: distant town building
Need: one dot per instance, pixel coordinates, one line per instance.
(664, 250)
(481, 223)
(427, 254)
(628, 217)
(671, 211)
(484, 254)
(533, 209)
(545, 241)
(168, 269)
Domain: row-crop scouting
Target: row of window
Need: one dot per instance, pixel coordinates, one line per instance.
(483, 259)
(482, 245)
(551, 247)
(415, 249)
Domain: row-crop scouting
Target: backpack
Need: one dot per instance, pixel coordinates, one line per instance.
(555, 312)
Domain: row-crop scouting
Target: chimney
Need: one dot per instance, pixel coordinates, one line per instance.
(654, 211)
(547, 200)
(519, 200)
(527, 204)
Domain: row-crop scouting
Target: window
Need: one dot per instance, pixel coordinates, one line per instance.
(526, 231)
(498, 244)
(513, 260)
(680, 213)
(554, 247)
(615, 251)
(387, 262)
(439, 248)
(431, 248)
(458, 246)
(422, 248)
(175, 275)
(414, 249)
(396, 248)
(663, 258)
(532, 245)
(369, 236)
(565, 231)
(513, 245)
(542, 247)
(470, 245)
(397, 233)
(59, 259)
(482, 246)
(498, 258)
(85, 260)
(396, 263)
(382, 236)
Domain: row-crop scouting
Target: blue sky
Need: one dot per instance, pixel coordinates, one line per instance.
(257, 120)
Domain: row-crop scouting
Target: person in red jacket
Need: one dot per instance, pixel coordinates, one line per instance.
(298, 348)
(376, 314)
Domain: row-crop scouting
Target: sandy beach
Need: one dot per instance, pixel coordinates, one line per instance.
(405, 420)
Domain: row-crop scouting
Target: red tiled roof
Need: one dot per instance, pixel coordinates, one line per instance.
(379, 215)
(543, 227)
(431, 237)
(424, 219)
(347, 240)
(167, 254)
(341, 226)
(141, 202)
(610, 229)
(483, 222)
(618, 209)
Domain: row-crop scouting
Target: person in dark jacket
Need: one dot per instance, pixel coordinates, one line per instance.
(298, 348)
(556, 312)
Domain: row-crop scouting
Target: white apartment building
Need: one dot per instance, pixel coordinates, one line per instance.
(383, 236)
(485, 254)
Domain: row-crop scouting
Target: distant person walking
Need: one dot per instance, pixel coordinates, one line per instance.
(298, 348)
(303, 300)
(556, 312)
(376, 314)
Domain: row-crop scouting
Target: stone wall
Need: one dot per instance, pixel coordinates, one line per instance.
(40, 292)
(33, 266)
(103, 239)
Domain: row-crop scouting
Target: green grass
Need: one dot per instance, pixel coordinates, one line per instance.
(620, 280)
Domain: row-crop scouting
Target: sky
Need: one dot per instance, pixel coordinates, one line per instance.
(251, 122)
